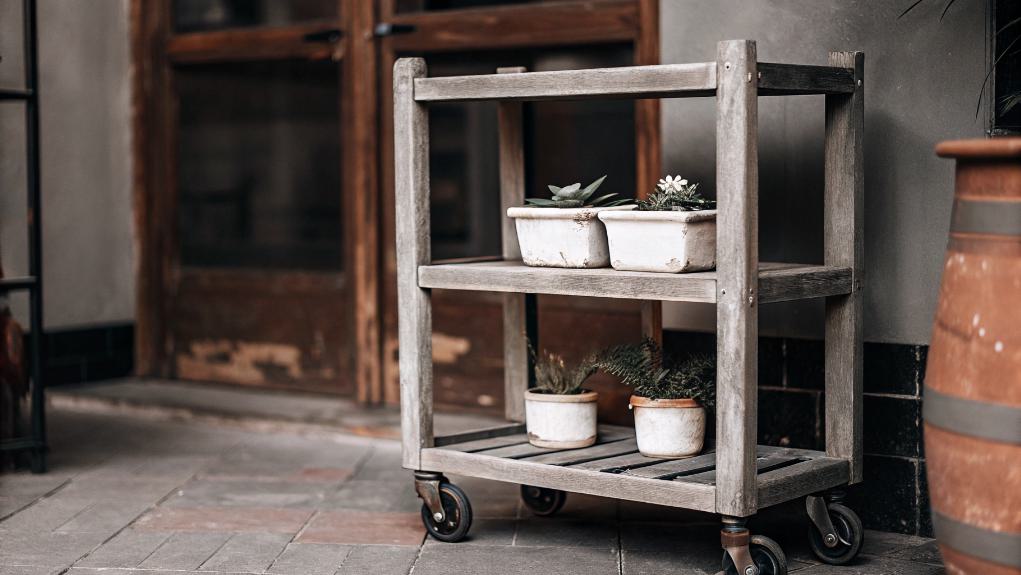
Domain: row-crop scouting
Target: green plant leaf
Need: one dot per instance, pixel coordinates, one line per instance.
(541, 202)
(569, 192)
(591, 188)
(553, 188)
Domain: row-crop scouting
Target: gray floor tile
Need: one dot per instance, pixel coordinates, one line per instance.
(375, 495)
(925, 553)
(247, 493)
(673, 562)
(447, 559)
(379, 560)
(46, 549)
(249, 552)
(310, 559)
(185, 551)
(486, 532)
(547, 532)
(127, 549)
(872, 565)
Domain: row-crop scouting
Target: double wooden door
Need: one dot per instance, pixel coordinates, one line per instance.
(265, 178)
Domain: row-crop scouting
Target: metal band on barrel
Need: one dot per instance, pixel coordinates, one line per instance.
(993, 546)
(973, 418)
(986, 217)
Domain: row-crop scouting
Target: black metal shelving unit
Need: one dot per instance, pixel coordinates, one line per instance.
(34, 441)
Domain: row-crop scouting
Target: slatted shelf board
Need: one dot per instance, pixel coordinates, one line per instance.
(777, 281)
(614, 468)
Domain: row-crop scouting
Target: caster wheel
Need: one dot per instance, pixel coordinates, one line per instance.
(542, 501)
(767, 555)
(850, 535)
(458, 512)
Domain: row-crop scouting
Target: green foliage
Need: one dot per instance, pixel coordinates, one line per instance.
(574, 196)
(554, 376)
(675, 194)
(641, 366)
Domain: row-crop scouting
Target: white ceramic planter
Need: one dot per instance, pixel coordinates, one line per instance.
(561, 421)
(562, 237)
(671, 242)
(669, 428)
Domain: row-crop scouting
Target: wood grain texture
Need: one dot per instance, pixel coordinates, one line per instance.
(411, 182)
(593, 453)
(761, 463)
(575, 480)
(843, 211)
(247, 44)
(794, 79)
(789, 483)
(667, 80)
(512, 193)
(516, 429)
(777, 282)
(737, 277)
(513, 26)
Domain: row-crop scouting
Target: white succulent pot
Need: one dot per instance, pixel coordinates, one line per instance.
(562, 237)
(669, 428)
(561, 421)
(671, 242)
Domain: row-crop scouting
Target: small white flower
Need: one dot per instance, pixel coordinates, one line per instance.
(675, 183)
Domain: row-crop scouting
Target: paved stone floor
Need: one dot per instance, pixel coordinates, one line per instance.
(132, 495)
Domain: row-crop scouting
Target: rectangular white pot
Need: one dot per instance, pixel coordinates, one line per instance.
(562, 237)
(561, 421)
(671, 242)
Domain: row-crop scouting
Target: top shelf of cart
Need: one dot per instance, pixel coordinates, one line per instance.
(663, 81)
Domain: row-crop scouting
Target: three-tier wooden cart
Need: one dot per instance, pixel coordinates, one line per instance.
(738, 477)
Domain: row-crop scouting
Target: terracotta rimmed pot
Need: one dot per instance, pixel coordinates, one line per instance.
(561, 421)
(671, 242)
(562, 237)
(972, 399)
(669, 428)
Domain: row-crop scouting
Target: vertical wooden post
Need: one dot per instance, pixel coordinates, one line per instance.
(512, 193)
(843, 217)
(737, 258)
(414, 325)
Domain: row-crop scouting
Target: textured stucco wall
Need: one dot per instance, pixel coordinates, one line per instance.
(86, 161)
(922, 81)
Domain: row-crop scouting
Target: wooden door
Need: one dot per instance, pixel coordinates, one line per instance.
(256, 166)
(565, 142)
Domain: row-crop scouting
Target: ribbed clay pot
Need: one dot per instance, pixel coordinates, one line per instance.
(668, 428)
(561, 421)
(972, 398)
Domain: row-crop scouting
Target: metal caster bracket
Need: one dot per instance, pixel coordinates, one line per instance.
(735, 543)
(819, 514)
(427, 485)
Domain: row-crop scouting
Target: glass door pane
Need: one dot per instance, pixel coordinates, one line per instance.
(205, 15)
(259, 165)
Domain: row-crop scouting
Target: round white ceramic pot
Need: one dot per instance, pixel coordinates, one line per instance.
(672, 242)
(561, 421)
(562, 237)
(669, 428)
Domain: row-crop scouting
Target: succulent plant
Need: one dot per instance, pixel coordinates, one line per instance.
(554, 376)
(675, 194)
(574, 196)
(641, 366)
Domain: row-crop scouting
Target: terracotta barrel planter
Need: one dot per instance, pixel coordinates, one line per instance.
(972, 399)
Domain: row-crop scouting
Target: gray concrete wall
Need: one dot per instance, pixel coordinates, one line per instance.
(86, 160)
(922, 83)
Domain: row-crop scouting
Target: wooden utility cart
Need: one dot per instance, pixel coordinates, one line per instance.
(739, 477)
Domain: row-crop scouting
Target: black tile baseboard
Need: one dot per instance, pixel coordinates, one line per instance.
(894, 496)
(87, 354)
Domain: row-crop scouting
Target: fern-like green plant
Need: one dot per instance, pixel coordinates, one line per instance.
(555, 376)
(675, 194)
(574, 196)
(641, 367)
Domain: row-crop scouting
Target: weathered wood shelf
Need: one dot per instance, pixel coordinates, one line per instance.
(777, 281)
(740, 477)
(614, 468)
(663, 81)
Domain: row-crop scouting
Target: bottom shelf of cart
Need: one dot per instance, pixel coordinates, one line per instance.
(614, 468)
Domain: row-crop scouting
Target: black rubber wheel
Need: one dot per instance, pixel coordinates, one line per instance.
(767, 555)
(850, 533)
(542, 501)
(458, 512)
